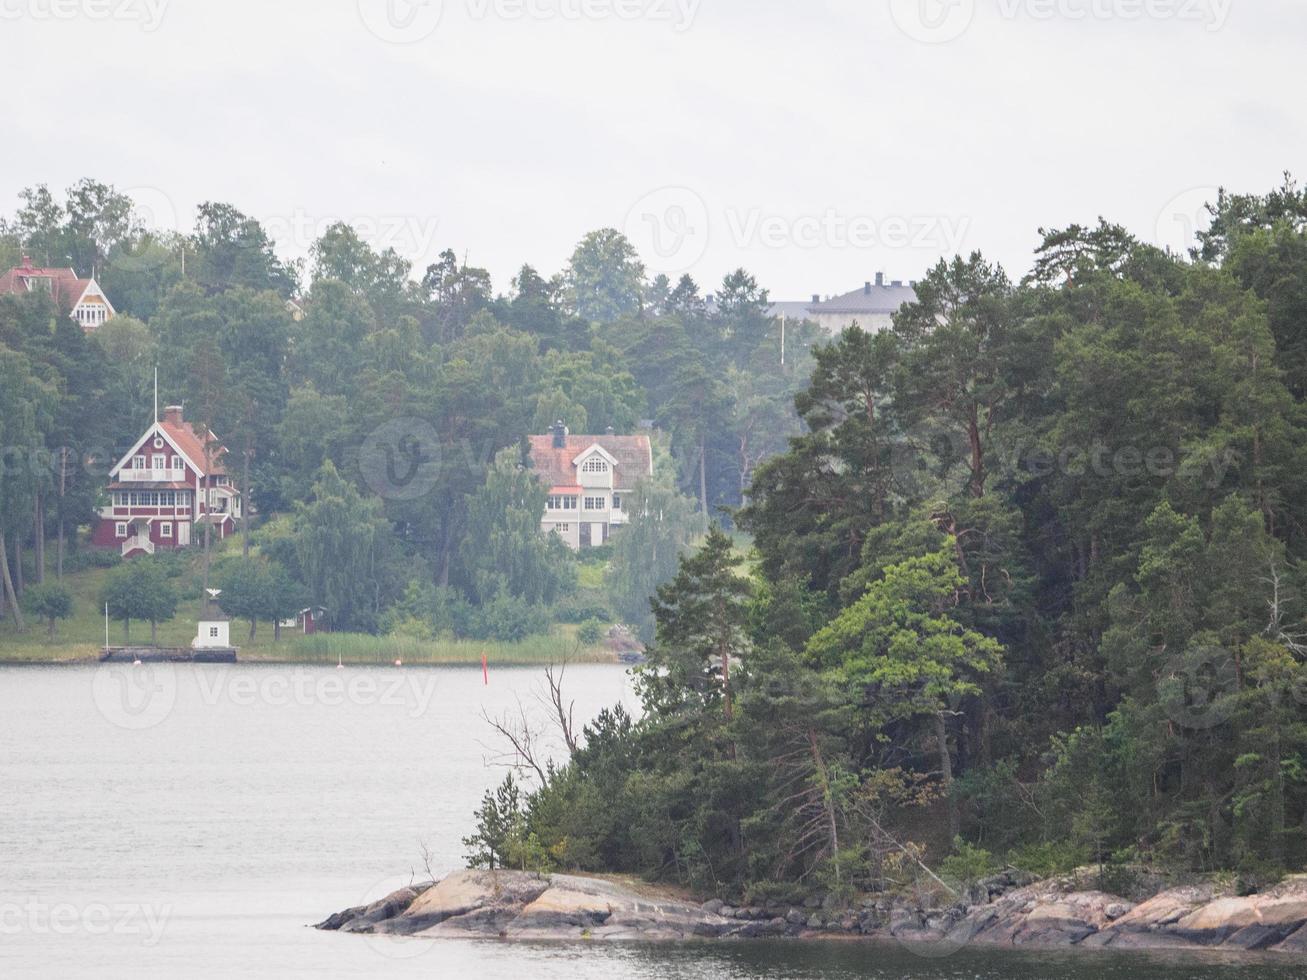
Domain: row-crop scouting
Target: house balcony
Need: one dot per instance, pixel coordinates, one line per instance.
(152, 476)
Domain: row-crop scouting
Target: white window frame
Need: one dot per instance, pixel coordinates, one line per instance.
(593, 504)
(120, 529)
(617, 501)
(165, 529)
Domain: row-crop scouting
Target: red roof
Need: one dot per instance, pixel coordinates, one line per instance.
(553, 464)
(189, 438)
(64, 285)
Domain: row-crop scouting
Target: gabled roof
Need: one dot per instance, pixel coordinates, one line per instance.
(66, 288)
(187, 441)
(632, 456)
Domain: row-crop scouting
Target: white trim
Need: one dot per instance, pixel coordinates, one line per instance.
(590, 451)
(140, 443)
(92, 285)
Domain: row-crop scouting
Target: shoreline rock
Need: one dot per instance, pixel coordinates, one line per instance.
(1009, 911)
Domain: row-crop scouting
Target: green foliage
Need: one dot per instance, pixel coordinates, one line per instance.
(590, 632)
(502, 838)
(968, 863)
(50, 602)
(139, 589)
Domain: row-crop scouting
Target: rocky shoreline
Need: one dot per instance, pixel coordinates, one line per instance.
(1006, 911)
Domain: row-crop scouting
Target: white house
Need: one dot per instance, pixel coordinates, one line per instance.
(872, 307)
(590, 480)
(83, 299)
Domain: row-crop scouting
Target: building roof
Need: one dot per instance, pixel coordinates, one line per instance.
(873, 297)
(65, 286)
(189, 438)
(790, 310)
(634, 455)
(149, 485)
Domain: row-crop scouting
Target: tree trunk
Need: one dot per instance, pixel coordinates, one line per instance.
(51, 624)
(253, 625)
(245, 512)
(276, 630)
(7, 583)
(38, 527)
(154, 633)
(703, 473)
(19, 584)
(977, 456)
(63, 490)
(127, 631)
(946, 773)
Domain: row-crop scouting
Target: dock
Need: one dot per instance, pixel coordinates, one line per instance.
(169, 655)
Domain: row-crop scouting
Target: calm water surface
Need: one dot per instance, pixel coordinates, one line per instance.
(192, 821)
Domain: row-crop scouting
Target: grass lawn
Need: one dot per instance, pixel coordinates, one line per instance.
(82, 637)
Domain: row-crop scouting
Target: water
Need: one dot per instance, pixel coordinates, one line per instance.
(192, 821)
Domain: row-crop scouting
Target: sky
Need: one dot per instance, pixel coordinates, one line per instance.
(812, 142)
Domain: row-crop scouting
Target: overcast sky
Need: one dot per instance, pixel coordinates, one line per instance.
(814, 142)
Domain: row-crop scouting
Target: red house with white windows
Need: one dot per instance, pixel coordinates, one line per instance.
(163, 492)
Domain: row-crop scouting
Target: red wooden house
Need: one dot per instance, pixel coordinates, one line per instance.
(164, 490)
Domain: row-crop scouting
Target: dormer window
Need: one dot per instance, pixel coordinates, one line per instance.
(594, 465)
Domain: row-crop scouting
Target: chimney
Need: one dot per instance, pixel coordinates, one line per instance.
(560, 434)
(816, 298)
(897, 283)
(610, 431)
(880, 279)
(866, 289)
(27, 261)
(173, 414)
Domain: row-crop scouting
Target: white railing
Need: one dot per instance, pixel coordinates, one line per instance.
(138, 543)
(152, 476)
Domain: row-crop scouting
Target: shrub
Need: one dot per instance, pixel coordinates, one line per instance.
(50, 602)
(591, 632)
(508, 619)
(578, 609)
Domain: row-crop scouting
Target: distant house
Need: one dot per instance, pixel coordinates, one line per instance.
(590, 480)
(163, 491)
(82, 299)
(307, 621)
(872, 307)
